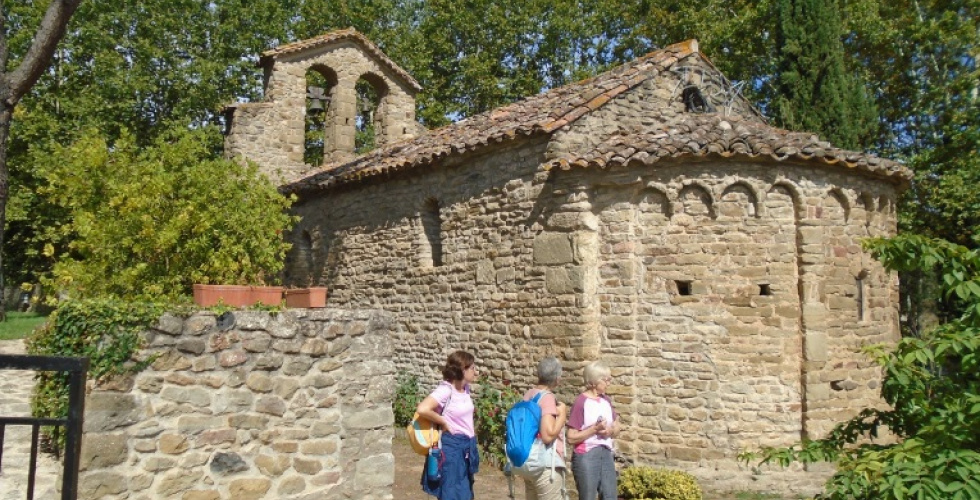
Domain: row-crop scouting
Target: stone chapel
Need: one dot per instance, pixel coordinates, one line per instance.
(649, 217)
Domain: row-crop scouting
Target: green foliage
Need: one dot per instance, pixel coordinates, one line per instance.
(151, 222)
(20, 324)
(489, 416)
(923, 55)
(105, 331)
(932, 386)
(408, 395)
(815, 92)
(641, 482)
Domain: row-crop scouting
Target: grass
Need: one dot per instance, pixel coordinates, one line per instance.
(19, 324)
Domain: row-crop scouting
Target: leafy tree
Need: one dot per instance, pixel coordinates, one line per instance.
(138, 66)
(16, 82)
(474, 55)
(150, 222)
(814, 89)
(932, 386)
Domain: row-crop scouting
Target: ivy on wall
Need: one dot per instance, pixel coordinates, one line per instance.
(107, 331)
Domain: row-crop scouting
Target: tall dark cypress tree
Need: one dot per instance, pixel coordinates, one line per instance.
(814, 91)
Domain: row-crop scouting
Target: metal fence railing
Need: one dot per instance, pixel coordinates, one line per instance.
(77, 370)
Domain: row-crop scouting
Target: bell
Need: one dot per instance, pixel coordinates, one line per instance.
(317, 96)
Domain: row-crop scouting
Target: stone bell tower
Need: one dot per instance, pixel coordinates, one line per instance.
(271, 132)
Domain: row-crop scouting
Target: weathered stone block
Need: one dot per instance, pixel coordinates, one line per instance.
(553, 248)
(173, 444)
(107, 411)
(227, 463)
(175, 482)
(101, 484)
(559, 280)
(319, 446)
(816, 347)
(249, 489)
(484, 272)
(103, 450)
(271, 405)
(374, 472)
(272, 465)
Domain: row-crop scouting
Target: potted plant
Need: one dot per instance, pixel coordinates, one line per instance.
(243, 294)
(207, 295)
(309, 297)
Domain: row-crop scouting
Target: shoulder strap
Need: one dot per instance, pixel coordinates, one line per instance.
(539, 395)
(448, 400)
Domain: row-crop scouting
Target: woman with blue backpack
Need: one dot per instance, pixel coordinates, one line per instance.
(548, 483)
(451, 407)
(591, 428)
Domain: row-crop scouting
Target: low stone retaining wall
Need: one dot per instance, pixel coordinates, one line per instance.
(249, 405)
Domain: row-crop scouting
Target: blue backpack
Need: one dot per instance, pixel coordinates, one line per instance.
(523, 420)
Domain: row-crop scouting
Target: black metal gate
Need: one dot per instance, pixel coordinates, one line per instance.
(77, 369)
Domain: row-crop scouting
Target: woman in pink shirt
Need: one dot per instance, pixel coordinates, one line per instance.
(591, 429)
(451, 407)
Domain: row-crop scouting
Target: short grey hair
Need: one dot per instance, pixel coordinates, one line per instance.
(594, 372)
(549, 371)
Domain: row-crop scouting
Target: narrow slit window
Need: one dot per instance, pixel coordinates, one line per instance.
(683, 287)
(432, 229)
(764, 289)
(859, 296)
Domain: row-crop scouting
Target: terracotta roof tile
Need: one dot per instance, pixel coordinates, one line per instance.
(726, 136)
(697, 135)
(336, 36)
(543, 113)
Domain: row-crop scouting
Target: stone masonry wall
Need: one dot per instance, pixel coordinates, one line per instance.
(586, 265)
(271, 132)
(289, 405)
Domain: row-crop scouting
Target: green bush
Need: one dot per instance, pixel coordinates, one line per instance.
(408, 394)
(641, 482)
(146, 223)
(105, 331)
(490, 412)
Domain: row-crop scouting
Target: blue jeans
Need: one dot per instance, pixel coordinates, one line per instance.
(595, 472)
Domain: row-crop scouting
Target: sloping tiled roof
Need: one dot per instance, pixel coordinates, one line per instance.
(349, 34)
(543, 113)
(705, 135)
(697, 135)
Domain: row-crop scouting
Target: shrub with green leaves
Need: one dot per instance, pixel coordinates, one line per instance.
(149, 222)
(490, 413)
(408, 395)
(105, 331)
(642, 482)
(932, 386)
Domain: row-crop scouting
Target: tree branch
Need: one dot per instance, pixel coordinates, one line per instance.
(3, 39)
(49, 33)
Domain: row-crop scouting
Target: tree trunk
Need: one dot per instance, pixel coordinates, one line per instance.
(6, 113)
(17, 82)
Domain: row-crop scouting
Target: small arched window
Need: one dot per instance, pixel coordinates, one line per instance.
(320, 82)
(368, 123)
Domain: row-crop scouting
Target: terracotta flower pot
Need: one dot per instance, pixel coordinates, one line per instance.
(236, 295)
(306, 297)
(266, 295)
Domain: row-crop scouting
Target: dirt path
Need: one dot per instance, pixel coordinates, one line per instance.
(490, 484)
